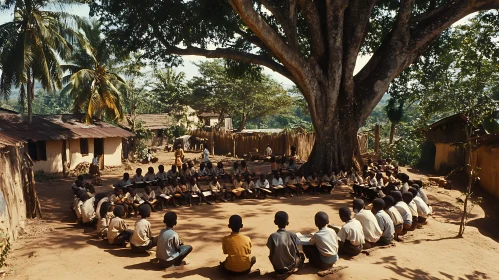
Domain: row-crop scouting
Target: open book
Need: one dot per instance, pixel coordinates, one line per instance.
(207, 193)
(304, 239)
(165, 196)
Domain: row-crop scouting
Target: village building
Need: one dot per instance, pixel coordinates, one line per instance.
(447, 138)
(57, 141)
(211, 119)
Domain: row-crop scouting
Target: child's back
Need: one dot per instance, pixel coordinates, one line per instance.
(238, 248)
(283, 246)
(116, 226)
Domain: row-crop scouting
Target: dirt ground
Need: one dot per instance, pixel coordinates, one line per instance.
(56, 248)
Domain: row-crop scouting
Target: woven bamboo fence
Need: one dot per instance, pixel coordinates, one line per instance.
(240, 144)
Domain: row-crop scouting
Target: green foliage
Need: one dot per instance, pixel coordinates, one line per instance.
(168, 94)
(48, 103)
(245, 98)
(175, 131)
(95, 89)
(406, 150)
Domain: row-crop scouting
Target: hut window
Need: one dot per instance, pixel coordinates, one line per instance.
(37, 150)
(84, 146)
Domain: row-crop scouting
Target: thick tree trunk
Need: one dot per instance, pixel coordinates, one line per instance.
(392, 132)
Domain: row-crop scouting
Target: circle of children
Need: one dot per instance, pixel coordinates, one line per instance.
(398, 205)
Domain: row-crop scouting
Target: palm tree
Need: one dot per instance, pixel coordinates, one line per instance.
(93, 87)
(395, 111)
(30, 48)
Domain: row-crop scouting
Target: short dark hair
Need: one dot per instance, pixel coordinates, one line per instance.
(119, 211)
(145, 210)
(407, 196)
(104, 208)
(80, 177)
(397, 196)
(378, 204)
(389, 201)
(358, 204)
(345, 213)
(414, 191)
(281, 219)
(80, 193)
(321, 219)
(235, 223)
(170, 219)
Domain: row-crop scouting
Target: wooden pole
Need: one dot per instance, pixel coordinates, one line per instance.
(376, 139)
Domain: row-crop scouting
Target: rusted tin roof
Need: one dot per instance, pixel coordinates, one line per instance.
(6, 140)
(57, 127)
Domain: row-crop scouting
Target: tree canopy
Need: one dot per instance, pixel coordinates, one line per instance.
(313, 43)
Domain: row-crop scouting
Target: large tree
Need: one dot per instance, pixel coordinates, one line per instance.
(314, 43)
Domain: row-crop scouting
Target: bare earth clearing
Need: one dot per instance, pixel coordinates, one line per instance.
(56, 248)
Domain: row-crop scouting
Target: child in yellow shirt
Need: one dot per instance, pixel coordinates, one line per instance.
(238, 248)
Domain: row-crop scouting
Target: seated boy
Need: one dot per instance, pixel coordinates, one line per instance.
(292, 183)
(132, 201)
(216, 190)
(162, 176)
(237, 189)
(138, 179)
(423, 209)
(404, 211)
(125, 182)
(172, 173)
(142, 239)
(195, 193)
(350, 235)
(277, 184)
(150, 198)
(263, 186)
(238, 248)
(117, 231)
(384, 222)
(88, 216)
(408, 199)
(398, 221)
(283, 246)
(314, 183)
(326, 185)
(249, 186)
(170, 251)
(323, 249)
(370, 226)
(104, 218)
(150, 177)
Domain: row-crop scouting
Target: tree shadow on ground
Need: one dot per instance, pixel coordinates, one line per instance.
(475, 275)
(390, 262)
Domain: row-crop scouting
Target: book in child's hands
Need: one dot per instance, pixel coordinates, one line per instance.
(304, 239)
(165, 196)
(206, 193)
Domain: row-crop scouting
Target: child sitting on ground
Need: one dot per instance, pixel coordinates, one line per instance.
(249, 186)
(150, 198)
(172, 173)
(118, 232)
(138, 179)
(166, 196)
(161, 176)
(323, 249)
(292, 183)
(142, 239)
(237, 189)
(220, 171)
(150, 177)
(195, 193)
(170, 251)
(125, 182)
(132, 202)
(351, 237)
(398, 221)
(384, 222)
(263, 186)
(278, 185)
(238, 248)
(283, 246)
(314, 183)
(216, 190)
(423, 209)
(408, 199)
(404, 211)
(370, 226)
(105, 218)
(88, 216)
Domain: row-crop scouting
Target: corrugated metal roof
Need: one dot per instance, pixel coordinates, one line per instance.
(57, 127)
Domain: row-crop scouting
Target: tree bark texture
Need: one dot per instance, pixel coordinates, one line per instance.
(339, 101)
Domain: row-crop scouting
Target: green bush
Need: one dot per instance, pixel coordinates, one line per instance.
(406, 151)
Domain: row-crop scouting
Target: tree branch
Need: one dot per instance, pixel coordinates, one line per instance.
(315, 33)
(282, 52)
(235, 55)
(286, 20)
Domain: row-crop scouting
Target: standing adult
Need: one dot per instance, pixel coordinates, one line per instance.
(179, 156)
(268, 151)
(206, 153)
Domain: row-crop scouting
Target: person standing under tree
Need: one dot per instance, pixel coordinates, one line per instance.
(179, 156)
(268, 151)
(206, 153)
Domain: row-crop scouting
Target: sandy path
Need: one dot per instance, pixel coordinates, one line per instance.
(55, 248)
